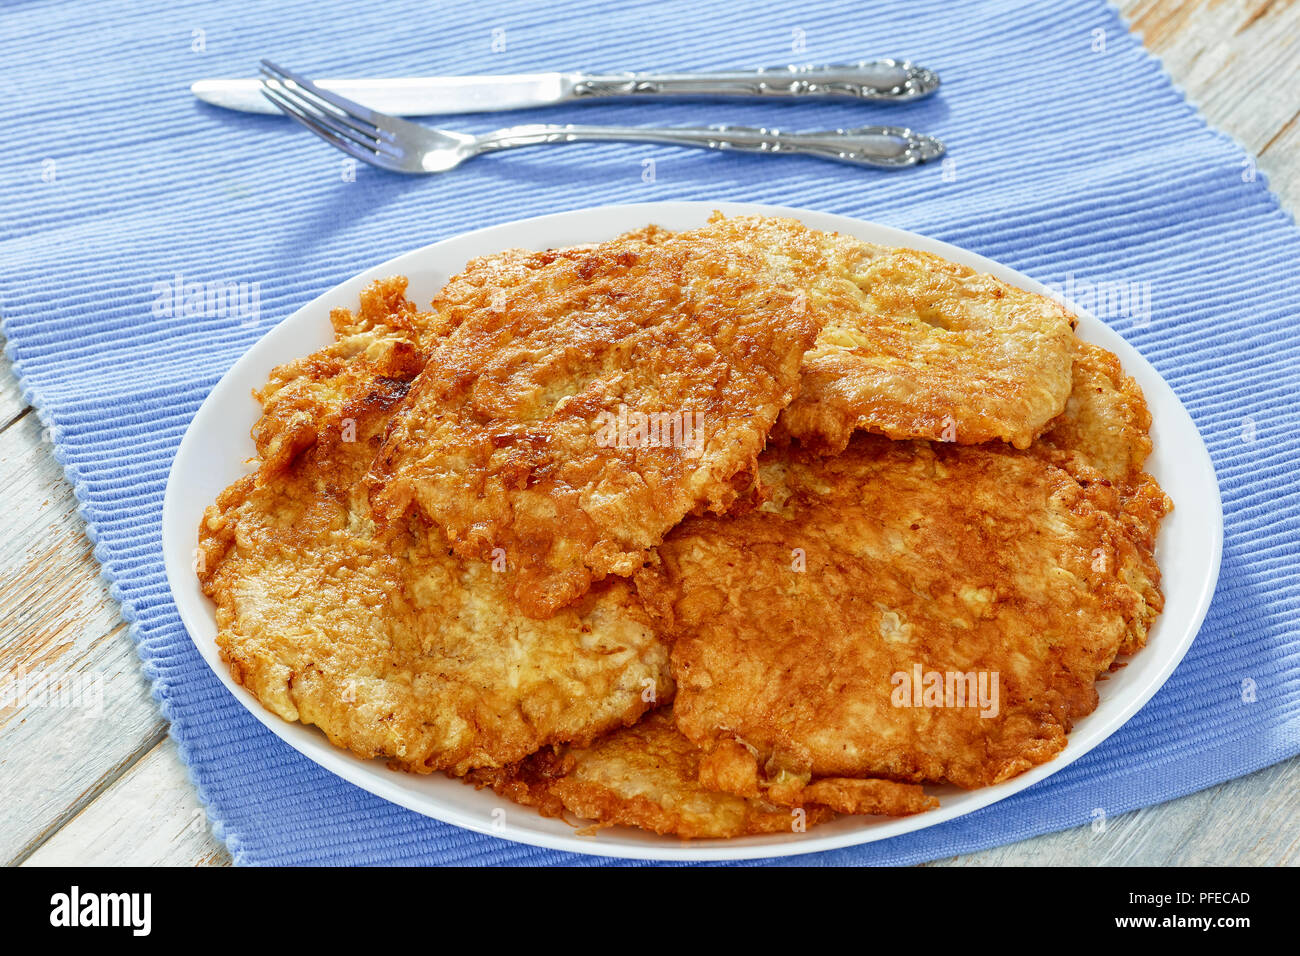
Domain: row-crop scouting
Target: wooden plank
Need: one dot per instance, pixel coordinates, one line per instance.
(75, 710)
(148, 817)
(1247, 821)
(1239, 63)
(11, 400)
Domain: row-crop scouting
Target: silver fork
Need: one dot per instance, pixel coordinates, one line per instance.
(391, 143)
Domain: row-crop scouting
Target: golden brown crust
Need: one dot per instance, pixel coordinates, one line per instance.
(492, 280)
(793, 620)
(521, 433)
(1104, 430)
(385, 340)
(392, 646)
(732, 767)
(915, 346)
(384, 312)
(869, 796)
(643, 776)
(1103, 440)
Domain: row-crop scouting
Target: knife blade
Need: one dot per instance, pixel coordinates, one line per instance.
(876, 80)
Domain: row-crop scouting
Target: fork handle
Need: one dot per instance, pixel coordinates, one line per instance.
(890, 147)
(887, 80)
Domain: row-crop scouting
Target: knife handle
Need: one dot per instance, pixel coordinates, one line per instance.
(886, 80)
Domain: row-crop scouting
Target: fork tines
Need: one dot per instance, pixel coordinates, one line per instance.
(336, 119)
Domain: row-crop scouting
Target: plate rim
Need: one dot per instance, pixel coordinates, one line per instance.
(666, 848)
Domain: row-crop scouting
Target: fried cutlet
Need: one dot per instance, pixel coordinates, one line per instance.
(488, 281)
(810, 628)
(854, 626)
(647, 776)
(1104, 431)
(385, 341)
(393, 646)
(584, 403)
(912, 345)
(1103, 440)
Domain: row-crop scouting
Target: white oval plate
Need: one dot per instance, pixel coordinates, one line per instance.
(217, 443)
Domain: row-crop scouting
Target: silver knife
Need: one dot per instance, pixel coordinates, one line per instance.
(877, 80)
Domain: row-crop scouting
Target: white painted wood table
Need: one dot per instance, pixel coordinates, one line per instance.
(120, 795)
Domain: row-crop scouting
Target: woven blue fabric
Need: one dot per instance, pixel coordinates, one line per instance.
(1073, 156)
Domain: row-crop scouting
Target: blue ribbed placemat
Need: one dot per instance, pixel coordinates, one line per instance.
(1089, 164)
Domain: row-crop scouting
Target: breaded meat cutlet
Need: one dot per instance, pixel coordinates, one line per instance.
(578, 411)
(647, 776)
(1103, 434)
(386, 341)
(1103, 440)
(912, 345)
(394, 647)
(488, 280)
(808, 630)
